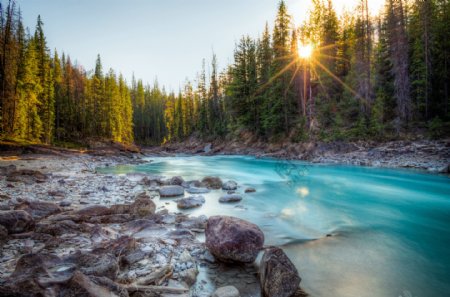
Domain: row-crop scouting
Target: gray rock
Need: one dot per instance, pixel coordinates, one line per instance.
(231, 239)
(16, 221)
(39, 209)
(190, 202)
(278, 276)
(230, 198)
(171, 191)
(176, 181)
(65, 203)
(250, 190)
(228, 291)
(229, 186)
(194, 190)
(189, 276)
(212, 182)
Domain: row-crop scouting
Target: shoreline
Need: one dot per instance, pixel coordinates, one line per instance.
(431, 156)
(77, 215)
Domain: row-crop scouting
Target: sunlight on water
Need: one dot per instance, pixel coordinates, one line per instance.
(388, 230)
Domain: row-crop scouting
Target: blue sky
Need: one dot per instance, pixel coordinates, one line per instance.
(166, 39)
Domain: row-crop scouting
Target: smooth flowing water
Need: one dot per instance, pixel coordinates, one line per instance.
(388, 230)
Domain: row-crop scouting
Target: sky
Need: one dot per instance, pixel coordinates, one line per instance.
(163, 39)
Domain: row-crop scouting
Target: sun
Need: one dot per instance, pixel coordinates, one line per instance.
(305, 51)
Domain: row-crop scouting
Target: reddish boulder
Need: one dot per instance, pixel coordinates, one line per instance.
(233, 240)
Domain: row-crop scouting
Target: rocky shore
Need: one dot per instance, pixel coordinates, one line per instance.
(67, 230)
(433, 156)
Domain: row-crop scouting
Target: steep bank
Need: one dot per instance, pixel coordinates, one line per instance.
(433, 156)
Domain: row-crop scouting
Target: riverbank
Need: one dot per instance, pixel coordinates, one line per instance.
(68, 229)
(433, 156)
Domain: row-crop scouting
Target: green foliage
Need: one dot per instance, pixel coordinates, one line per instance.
(437, 128)
(368, 78)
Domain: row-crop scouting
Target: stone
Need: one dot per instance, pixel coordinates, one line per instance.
(231, 239)
(229, 186)
(229, 198)
(171, 191)
(16, 221)
(35, 275)
(3, 234)
(92, 286)
(142, 206)
(228, 291)
(278, 276)
(39, 209)
(65, 203)
(250, 190)
(26, 176)
(195, 190)
(97, 264)
(212, 182)
(189, 276)
(190, 202)
(176, 181)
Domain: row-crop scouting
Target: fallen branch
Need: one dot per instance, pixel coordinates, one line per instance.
(156, 289)
(154, 277)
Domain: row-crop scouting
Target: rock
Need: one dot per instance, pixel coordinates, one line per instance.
(228, 291)
(207, 148)
(230, 198)
(39, 209)
(190, 202)
(61, 228)
(35, 275)
(97, 264)
(134, 257)
(3, 234)
(212, 182)
(445, 169)
(171, 191)
(65, 203)
(94, 210)
(26, 176)
(207, 256)
(231, 239)
(16, 221)
(120, 246)
(176, 181)
(56, 193)
(229, 186)
(142, 206)
(250, 190)
(91, 286)
(185, 256)
(278, 276)
(194, 190)
(193, 223)
(7, 170)
(189, 276)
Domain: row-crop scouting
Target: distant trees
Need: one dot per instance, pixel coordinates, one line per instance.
(368, 77)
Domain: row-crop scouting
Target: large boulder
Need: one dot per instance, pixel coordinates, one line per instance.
(171, 191)
(278, 276)
(212, 182)
(230, 185)
(16, 221)
(190, 202)
(39, 209)
(228, 291)
(176, 181)
(195, 190)
(142, 206)
(229, 198)
(233, 240)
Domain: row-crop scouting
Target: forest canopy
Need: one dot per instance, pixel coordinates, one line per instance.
(334, 77)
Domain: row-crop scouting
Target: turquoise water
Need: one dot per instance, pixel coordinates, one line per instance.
(390, 229)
